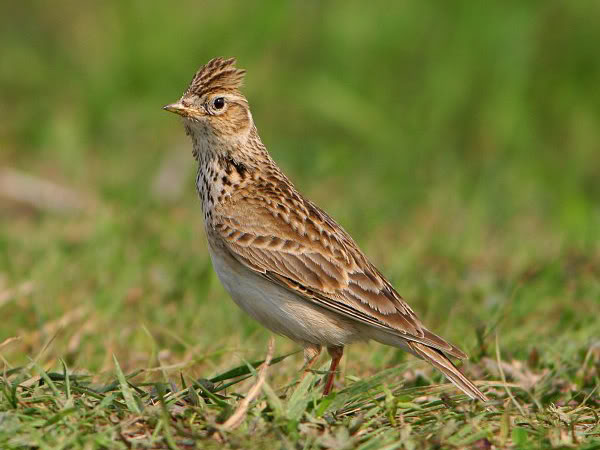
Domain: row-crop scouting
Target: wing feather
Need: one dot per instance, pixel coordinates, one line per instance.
(310, 254)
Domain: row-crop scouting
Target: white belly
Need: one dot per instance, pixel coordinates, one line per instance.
(280, 310)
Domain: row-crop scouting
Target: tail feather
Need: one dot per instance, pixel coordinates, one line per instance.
(443, 364)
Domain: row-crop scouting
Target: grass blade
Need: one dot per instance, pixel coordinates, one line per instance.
(125, 389)
(300, 398)
(244, 370)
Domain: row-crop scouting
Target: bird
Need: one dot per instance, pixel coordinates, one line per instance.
(282, 259)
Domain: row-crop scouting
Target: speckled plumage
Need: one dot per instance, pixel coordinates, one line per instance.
(283, 259)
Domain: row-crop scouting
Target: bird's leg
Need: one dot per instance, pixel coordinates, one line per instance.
(336, 354)
(311, 353)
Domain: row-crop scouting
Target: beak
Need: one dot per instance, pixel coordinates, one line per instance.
(177, 108)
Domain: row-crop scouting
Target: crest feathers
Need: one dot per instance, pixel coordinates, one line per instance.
(218, 74)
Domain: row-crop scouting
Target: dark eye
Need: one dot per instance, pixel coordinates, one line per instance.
(219, 102)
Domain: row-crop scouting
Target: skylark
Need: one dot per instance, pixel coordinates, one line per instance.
(282, 259)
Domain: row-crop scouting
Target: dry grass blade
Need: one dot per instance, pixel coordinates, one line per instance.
(22, 289)
(37, 193)
(7, 341)
(512, 398)
(240, 413)
(50, 328)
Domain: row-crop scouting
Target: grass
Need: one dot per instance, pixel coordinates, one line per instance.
(65, 410)
(466, 138)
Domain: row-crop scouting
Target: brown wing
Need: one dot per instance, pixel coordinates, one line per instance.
(295, 244)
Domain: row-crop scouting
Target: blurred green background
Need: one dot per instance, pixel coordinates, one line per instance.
(458, 143)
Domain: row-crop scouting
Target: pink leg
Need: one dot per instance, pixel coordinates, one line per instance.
(336, 354)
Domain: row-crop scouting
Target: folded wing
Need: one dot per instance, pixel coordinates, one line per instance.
(295, 244)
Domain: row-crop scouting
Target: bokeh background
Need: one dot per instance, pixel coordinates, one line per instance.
(458, 143)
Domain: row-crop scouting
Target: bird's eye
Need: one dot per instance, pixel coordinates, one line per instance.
(219, 102)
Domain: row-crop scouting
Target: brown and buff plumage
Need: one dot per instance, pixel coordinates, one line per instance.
(283, 259)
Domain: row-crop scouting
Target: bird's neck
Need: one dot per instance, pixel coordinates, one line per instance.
(225, 168)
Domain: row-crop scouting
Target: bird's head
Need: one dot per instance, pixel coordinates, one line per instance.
(213, 108)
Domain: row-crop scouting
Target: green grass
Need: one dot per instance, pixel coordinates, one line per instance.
(458, 144)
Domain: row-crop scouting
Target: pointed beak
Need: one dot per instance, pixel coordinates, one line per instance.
(177, 108)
